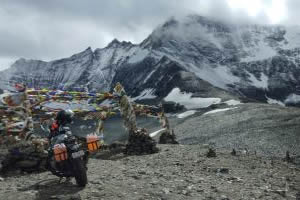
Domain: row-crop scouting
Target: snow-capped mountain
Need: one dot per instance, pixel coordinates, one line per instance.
(94, 69)
(196, 54)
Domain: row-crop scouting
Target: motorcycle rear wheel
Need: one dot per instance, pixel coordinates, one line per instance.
(79, 172)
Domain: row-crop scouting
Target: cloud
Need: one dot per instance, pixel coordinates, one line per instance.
(54, 29)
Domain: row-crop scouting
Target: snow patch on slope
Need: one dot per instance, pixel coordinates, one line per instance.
(292, 98)
(263, 83)
(186, 114)
(292, 36)
(219, 76)
(190, 102)
(138, 56)
(153, 134)
(232, 102)
(219, 110)
(260, 52)
(145, 94)
(274, 101)
(149, 75)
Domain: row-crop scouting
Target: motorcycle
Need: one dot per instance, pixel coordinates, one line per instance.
(68, 158)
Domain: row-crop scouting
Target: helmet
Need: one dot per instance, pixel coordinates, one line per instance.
(64, 116)
(20, 87)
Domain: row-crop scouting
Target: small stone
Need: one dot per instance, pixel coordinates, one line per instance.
(190, 187)
(96, 194)
(215, 189)
(288, 157)
(223, 197)
(233, 152)
(200, 190)
(1, 179)
(178, 164)
(96, 182)
(184, 192)
(211, 153)
(166, 190)
(153, 183)
(298, 196)
(280, 192)
(223, 170)
(200, 179)
(236, 179)
(142, 172)
(135, 177)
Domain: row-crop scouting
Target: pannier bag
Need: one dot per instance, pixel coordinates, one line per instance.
(93, 142)
(60, 152)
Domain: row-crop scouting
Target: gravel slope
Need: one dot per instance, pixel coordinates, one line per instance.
(184, 171)
(267, 129)
(176, 172)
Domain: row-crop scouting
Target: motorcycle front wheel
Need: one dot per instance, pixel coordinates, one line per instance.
(79, 172)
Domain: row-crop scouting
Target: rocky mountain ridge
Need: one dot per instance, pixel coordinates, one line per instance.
(194, 53)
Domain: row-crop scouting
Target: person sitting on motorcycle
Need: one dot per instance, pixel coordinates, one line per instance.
(59, 126)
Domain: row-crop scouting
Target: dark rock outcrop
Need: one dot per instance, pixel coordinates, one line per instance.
(167, 138)
(140, 143)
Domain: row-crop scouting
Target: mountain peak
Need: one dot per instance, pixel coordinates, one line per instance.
(87, 51)
(171, 22)
(114, 42)
(21, 60)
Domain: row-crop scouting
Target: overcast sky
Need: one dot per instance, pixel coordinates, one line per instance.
(52, 29)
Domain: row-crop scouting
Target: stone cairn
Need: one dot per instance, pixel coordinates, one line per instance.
(139, 142)
(211, 153)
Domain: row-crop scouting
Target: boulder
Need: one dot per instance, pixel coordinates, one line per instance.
(167, 138)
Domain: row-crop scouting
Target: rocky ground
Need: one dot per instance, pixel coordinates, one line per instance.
(176, 172)
(260, 133)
